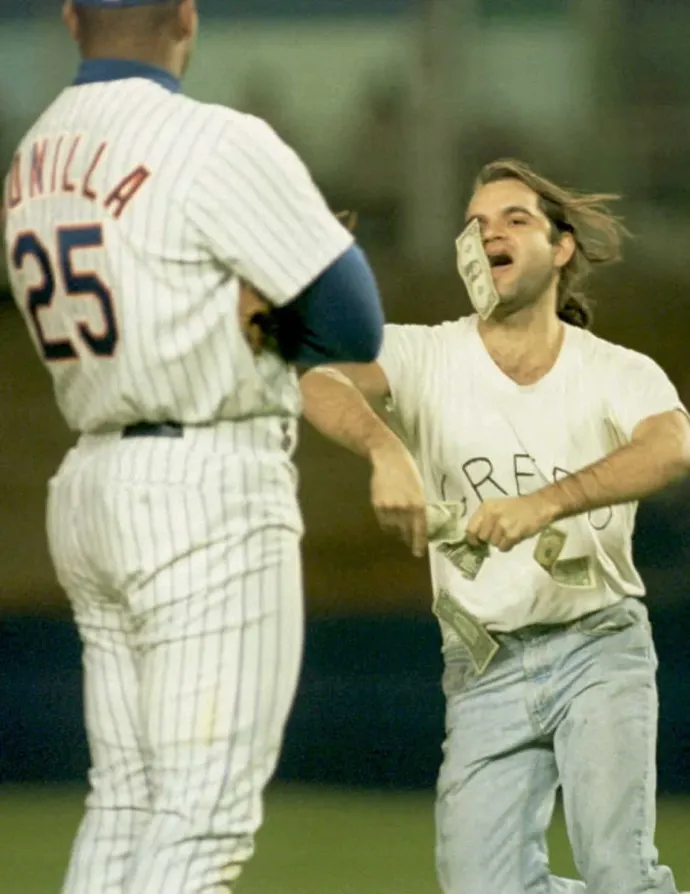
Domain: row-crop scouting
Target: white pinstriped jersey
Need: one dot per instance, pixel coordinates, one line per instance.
(130, 213)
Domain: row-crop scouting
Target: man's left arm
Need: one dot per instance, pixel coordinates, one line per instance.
(645, 409)
(657, 455)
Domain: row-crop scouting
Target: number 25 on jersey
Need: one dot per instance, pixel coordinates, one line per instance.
(57, 273)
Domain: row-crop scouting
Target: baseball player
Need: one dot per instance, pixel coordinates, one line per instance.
(530, 425)
(174, 262)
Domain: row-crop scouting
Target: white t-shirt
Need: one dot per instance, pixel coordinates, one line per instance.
(477, 435)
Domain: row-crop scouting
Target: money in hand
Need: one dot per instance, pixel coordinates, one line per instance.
(475, 270)
(466, 558)
(445, 521)
(446, 526)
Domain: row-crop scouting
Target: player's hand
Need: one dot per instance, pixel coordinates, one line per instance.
(254, 317)
(397, 494)
(506, 522)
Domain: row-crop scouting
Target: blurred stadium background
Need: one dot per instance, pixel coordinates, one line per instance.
(394, 104)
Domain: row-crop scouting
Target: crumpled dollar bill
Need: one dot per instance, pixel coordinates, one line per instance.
(549, 546)
(447, 528)
(576, 573)
(445, 521)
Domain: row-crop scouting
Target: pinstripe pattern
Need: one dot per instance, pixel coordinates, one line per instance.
(188, 599)
(180, 556)
(226, 198)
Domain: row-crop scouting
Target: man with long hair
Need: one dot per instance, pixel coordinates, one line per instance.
(533, 426)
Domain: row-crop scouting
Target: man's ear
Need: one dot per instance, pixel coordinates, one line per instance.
(187, 20)
(564, 249)
(70, 19)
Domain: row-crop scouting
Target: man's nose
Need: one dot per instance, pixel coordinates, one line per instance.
(492, 232)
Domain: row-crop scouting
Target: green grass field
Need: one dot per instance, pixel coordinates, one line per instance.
(315, 840)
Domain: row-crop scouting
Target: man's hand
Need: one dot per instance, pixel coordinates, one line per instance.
(506, 522)
(254, 317)
(397, 494)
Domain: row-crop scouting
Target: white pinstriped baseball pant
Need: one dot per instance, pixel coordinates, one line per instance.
(181, 560)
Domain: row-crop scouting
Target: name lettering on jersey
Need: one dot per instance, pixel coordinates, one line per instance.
(38, 159)
(14, 184)
(479, 473)
(125, 190)
(56, 162)
(71, 170)
(67, 184)
(86, 189)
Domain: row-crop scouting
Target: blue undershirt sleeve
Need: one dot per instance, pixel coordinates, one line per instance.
(338, 318)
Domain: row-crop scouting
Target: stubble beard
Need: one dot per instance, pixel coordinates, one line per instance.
(527, 292)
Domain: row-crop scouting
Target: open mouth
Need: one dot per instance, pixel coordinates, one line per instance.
(500, 261)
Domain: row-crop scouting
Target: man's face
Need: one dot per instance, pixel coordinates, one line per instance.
(516, 235)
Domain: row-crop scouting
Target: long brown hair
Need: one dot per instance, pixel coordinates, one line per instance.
(597, 232)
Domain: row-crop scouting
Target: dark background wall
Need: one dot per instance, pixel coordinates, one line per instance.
(369, 709)
(394, 105)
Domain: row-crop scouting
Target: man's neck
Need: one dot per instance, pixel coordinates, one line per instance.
(147, 56)
(525, 345)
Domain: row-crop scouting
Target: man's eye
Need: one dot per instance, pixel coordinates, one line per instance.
(518, 221)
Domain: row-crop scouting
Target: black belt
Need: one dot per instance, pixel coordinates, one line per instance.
(153, 430)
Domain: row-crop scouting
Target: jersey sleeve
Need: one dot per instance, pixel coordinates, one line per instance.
(263, 216)
(641, 389)
(402, 360)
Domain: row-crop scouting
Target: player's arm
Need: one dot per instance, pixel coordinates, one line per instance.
(339, 402)
(658, 455)
(338, 318)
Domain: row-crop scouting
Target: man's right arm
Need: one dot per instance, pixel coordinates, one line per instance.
(337, 402)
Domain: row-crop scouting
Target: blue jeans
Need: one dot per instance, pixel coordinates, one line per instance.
(574, 705)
